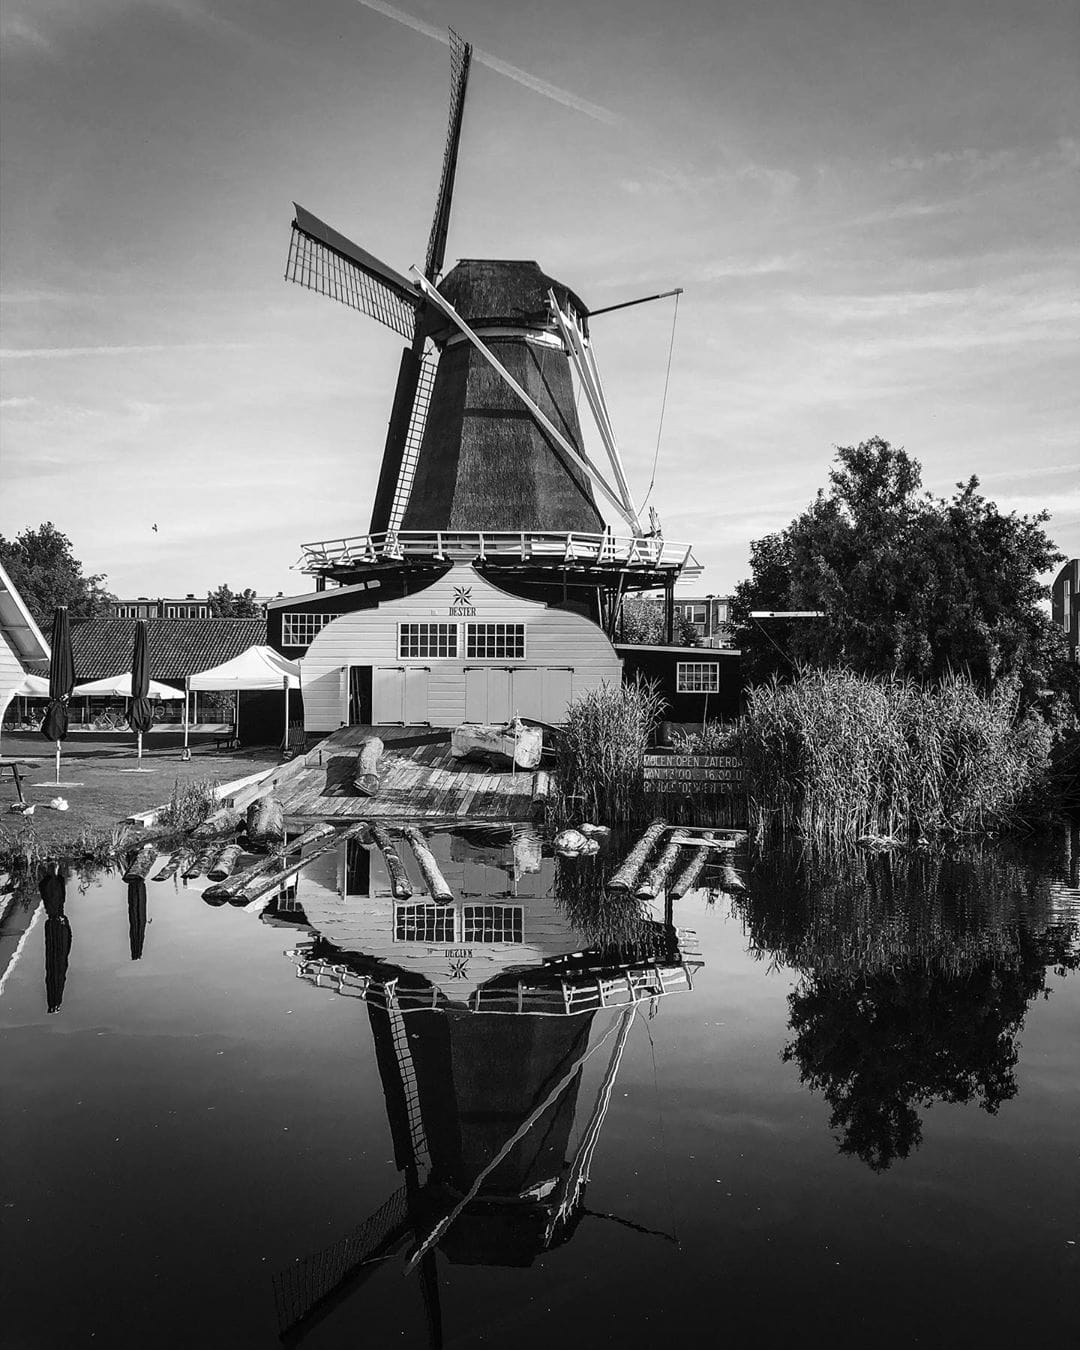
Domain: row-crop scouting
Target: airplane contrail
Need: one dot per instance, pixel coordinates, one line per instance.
(533, 82)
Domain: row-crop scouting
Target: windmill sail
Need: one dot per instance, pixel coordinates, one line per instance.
(460, 60)
(416, 376)
(325, 261)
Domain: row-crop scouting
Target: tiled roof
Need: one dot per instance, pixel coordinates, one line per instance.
(177, 647)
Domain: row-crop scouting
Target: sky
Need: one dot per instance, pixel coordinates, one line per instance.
(871, 208)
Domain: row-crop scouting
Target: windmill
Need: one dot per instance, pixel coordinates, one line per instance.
(483, 434)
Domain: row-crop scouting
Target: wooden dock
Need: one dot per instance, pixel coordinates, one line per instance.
(420, 782)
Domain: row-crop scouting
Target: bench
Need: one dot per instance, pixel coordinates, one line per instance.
(227, 739)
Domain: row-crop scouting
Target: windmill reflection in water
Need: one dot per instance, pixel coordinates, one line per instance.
(484, 1014)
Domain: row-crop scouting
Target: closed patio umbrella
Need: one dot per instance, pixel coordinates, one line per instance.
(53, 888)
(54, 726)
(140, 715)
(136, 916)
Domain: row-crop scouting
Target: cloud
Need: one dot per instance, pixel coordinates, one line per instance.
(726, 268)
(533, 82)
(65, 353)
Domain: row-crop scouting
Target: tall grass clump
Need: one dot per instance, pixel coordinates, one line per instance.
(601, 752)
(835, 756)
(189, 804)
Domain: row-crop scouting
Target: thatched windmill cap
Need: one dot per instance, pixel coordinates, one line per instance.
(505, 291)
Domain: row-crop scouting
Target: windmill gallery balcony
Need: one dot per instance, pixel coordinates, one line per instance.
(644, 556)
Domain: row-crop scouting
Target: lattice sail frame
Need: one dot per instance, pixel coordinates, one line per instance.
(317, 265)
(460, 60)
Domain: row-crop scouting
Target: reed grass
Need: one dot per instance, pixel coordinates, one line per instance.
(836, 756)
(601, 753)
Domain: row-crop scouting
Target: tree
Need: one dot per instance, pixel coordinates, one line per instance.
(46, 573)
(908, 582)
(227, 604)
(642, 620)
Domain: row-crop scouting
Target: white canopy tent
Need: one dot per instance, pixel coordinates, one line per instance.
(33, 686)
(119, 686)
(256, 668)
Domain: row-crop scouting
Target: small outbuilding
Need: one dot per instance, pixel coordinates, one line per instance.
(22, 645)
(697, 684)
(460, 650)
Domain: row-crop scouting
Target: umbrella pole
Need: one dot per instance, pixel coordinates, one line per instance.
(285, 733)
(187, 716)
(57, 763)
(140, 748)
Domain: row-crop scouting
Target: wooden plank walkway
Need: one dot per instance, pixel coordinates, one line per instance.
(420, 782)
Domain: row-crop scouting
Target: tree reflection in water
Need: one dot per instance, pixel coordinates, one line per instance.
(915, 976)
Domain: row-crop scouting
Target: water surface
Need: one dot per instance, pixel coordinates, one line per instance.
(859, 1125)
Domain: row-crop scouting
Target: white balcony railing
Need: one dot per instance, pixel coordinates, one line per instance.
(648, 553)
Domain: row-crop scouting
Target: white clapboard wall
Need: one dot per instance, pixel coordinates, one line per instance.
(565, 655)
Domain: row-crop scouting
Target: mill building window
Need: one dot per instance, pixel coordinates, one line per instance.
(697, 677)
(418, 640)
(494, 923)
(494, 641)
(424, 923)
(298, 627)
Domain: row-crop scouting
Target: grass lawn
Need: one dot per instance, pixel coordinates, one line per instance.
(106, 794)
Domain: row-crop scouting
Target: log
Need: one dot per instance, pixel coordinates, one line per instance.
(263, 885)
(265, 823)
(200, 864)
(633, 864)
(178, 860)
(730, 879)
(500, 746)
(142, 862)
(662, 869)
(400, 884)
(541, 785)
(366, 780)
(220, 822)
(224, 863)
(437, 885)
(222, 891)
(687, 878)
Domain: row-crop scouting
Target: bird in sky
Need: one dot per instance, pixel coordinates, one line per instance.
(154, 528)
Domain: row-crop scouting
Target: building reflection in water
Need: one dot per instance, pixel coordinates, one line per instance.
(484, 1013)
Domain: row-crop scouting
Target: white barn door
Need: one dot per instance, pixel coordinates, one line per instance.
(387, 694)
(417, 679)
(526, 693)
(558, 690)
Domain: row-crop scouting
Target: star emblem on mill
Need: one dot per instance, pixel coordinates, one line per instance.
(462, 595)
(459, 969)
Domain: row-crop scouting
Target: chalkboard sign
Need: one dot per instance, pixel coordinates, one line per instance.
(694, 773)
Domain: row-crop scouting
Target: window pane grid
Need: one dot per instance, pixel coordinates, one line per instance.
(494, 641)
(494, 923)
(423, 923)
(698, 677)
(417, 640)
(299, 627)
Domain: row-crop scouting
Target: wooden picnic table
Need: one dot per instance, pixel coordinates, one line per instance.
(14, 765)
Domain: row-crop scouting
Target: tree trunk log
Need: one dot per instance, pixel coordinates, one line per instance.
(263, 885)
(634, 863)
(438, 887)
(662, 869)
(399, 882)
(687, 878)
(237, 882)
(221, 822)
(224, 863)
(499, 746)
(200, 864)
(142, 862)
(178, 860)
(265, 824)
(366, 780)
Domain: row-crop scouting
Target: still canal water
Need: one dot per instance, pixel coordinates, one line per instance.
(859, 1126)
